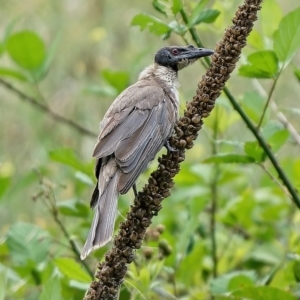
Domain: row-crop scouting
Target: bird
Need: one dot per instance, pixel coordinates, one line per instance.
(136, 126)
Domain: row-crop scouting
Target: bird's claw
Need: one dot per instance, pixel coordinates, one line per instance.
(169, 147)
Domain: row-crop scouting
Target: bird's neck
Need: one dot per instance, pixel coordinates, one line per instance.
(166, 76)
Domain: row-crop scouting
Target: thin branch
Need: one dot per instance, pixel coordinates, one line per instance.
(268, 100)
(45, 109)
(263, 143)
(72, 244)
(281, 117)
(214, 201)
(275, 179)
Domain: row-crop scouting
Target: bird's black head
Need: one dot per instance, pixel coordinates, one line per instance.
(177, 58)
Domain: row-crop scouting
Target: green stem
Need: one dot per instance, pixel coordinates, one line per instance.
(263, 143)
(268, 100)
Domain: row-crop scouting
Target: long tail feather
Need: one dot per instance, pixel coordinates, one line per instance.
(104, 219)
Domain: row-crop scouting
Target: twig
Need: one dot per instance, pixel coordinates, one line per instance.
(263, 143)
(275, 179)
(281, 117)
(47, 110)
(48, 196)
(268, 100)
(71, 242)
(214, 201)
(147, 204)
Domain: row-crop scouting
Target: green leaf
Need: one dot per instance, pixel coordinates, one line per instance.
(264, 293)
(51, 290)
(255, 39)
(254, 150)
(254, 104)
(177, 27)
(286, 38)
(13, 74)
(177, 6)
(230, 158)
(27, 242)
(197, 10)
(160, 6)
(297, 74)
(117, 79)
(74, 208)
(271, 15)
(42, 71)
(67, 156)
(239, 282)
(205, 16)
(72, 269)
(155, 26)
(104, 91)
(296, 270)
(275, 135)
(27, 49)
(226, 282)
(261, 64)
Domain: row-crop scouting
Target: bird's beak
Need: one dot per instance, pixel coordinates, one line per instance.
(195, 53)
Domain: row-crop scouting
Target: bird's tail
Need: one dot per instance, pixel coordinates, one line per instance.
(104, 219)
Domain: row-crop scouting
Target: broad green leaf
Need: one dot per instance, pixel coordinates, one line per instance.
(104, 91)
(117, 79)
(27, 49)
(267, 254)
(261, 64)
(72, 269)
(271, 15)
(73, 207)
(177, 6)
(254, 104)
(155, 26)
(255, 39)
(27, 242)
(297, 74)
(275, 135)
(230, 158)
(197, 10)
(67, 157)
(205, 16)
(264, 293)
(221, 284)
(239, 282)
(286, 38)
(296, 270)
(177, 27)
(42, 71)
(254, 150)
(160, 6)
(13, 74)
(51, 290)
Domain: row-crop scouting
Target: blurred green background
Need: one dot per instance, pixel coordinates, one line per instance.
(229, 230)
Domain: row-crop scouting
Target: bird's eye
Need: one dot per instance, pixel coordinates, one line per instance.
(175, 52)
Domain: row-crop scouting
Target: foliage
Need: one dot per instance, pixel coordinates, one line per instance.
(46, 173)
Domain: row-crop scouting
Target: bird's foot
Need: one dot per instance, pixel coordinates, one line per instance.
(134, 190)
(169, 147)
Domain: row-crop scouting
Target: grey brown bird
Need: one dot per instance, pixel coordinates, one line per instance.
(135, 127)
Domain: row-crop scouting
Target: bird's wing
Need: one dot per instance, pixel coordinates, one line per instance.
(134, 130)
